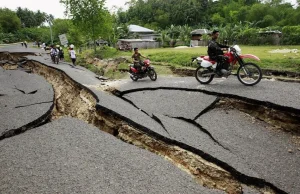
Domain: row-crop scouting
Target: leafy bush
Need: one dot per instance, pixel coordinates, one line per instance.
(105, 52)
(291, 35)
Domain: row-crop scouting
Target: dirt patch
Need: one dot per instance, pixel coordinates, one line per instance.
(183, 72)
(284, 51)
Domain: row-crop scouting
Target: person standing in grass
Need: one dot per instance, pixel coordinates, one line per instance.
(72, 55)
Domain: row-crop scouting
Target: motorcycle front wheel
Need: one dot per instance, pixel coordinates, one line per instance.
(56, 60)
(152, 74)
(201, 76)
(134, 77)
(249, 74)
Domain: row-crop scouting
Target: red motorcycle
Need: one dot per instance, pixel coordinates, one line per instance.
(146, 70)
(248, 74)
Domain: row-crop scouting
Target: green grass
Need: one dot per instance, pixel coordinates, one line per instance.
(275, 61)
(163, 58)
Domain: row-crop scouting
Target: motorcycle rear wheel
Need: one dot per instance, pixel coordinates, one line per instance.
(203, 79)
(249, 74)
(152, 74)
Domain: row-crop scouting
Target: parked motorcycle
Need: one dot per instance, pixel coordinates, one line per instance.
(146, 70)
(248, 74)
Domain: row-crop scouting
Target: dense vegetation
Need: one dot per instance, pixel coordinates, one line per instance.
(240, 20)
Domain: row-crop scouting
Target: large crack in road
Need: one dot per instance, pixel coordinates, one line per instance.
(73, 99)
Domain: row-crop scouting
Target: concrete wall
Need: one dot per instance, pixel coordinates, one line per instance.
(147, 36)
(145, 45)
(141, 44)
(199, 43)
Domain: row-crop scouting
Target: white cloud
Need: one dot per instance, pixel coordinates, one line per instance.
(50, 6)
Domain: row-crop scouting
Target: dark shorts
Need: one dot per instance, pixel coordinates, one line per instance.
(73, 60)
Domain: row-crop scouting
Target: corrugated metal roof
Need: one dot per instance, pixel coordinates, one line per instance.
(136, 28)
(200, 31)
(136, 40)
(271, 32)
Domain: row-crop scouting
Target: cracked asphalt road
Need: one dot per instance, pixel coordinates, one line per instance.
(263, 149)
(172, 109)
(243, 143)
(280, 93)
(27, 99)
(70, 156)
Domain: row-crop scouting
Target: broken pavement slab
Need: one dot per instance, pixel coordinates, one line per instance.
(26, 101)
(172, 103)
(70, 156)
(268, 92)
(262, 150)
(105, 101)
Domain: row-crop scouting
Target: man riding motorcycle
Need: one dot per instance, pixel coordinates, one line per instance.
(136, 59)
(53, 52)
(215, 52)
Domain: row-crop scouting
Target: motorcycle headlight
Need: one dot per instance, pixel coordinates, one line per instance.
(237, 49)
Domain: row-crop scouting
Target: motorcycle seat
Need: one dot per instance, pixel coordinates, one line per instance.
(208, 59)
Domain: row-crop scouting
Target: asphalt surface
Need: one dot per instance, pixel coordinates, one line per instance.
(244, 143)
(171, 103)
(167, 109)
(280, 93)
(70, 156)
(268, 152)
(106, 101)
(20, 49)
(25, 100)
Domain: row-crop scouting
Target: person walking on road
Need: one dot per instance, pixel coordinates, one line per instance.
(25, 43)
(72, 55)
(61, 54)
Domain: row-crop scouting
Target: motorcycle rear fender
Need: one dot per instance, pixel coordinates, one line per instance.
(133, 69)
(249, 56)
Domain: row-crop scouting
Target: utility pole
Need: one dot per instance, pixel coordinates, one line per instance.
(49, 19)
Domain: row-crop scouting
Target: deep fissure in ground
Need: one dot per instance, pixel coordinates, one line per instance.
(72, 99)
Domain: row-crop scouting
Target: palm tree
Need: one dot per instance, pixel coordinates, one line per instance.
(185, 33)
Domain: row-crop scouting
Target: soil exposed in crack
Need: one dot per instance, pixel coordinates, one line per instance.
(280, 119)
(72, 99)
(285, 118)
(14, 57)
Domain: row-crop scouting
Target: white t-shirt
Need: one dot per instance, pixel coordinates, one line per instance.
(53, 51)
(73, 54)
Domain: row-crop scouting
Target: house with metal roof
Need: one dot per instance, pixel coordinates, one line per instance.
(143, 38)
(196, 37)
(141, 32)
